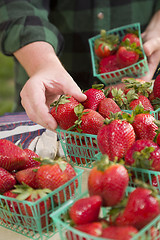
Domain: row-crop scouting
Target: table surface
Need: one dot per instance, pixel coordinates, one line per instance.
(6, 234)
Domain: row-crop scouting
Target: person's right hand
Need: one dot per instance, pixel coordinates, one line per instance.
(48, 81)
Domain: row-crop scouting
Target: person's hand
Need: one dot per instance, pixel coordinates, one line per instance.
(48, 81)
(151, 45)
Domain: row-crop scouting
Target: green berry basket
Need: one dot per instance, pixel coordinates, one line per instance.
(32, 223)
(80, 149)
(136, 70)
(150, 231)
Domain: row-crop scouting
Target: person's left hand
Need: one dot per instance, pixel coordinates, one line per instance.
(151, 45)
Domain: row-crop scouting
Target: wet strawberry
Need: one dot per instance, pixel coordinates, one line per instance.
(106, 106)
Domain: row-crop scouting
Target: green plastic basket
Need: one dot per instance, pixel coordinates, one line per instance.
(37, 225)
(144, 234)
(136, 70)
(80, 149)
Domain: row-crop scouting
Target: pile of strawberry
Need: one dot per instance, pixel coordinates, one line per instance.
(115, 54)
(127, 214)
(24, 176)
(101, 114)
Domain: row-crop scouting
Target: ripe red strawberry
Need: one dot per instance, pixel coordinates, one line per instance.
(28, 176)
(40, 209)
(128, 54)
(89, 121)
(7, 180)
(94, 96)
(63, 111)
(141, 208)
(12, 207)
(54, 174)
(144, 101)
(156, 87)
(132, 38)
(144, 126)
(109, 181)
(115, 138)
(119, 233)
(106, 106)
(106, 44)
(144, 153)
(12, 157)
(94, 229)
(85, 210)
(108, 64)
(32, 156)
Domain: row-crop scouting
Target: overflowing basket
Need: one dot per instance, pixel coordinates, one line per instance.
(138, 69)
(66, 230)
(26, 217)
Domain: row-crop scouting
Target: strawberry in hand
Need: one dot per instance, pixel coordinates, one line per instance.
(63, 111)
(89, 121)
(106, 44)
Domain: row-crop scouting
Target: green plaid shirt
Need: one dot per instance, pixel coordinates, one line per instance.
(71, 23)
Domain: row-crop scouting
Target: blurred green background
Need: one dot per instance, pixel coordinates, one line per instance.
(7, 90)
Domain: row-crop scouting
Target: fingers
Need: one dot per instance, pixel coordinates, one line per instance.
(153, 62)
(151, 46)
(73, 89)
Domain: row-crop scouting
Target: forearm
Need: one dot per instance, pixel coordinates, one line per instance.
(36, 56)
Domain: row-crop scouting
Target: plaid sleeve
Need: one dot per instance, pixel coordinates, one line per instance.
(23, 22)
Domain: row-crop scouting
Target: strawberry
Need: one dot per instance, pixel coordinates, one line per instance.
(128, 54)
(156, 87)
(144, 153)
(7, 180)
(32, 195)
(10, 216)
(119, 233)
(85, 210)
(115, 137)
(28, 176)
(132, 38)
(93, 228)
(89, 121)
(53, 174)
(141, 208)
(32, 156)
(108, 64)
(144, 101)
(108, 180)
(12, 157)
(106, 106)
(106, 44)
(144, 126)
(63, 111)
(94, 96)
